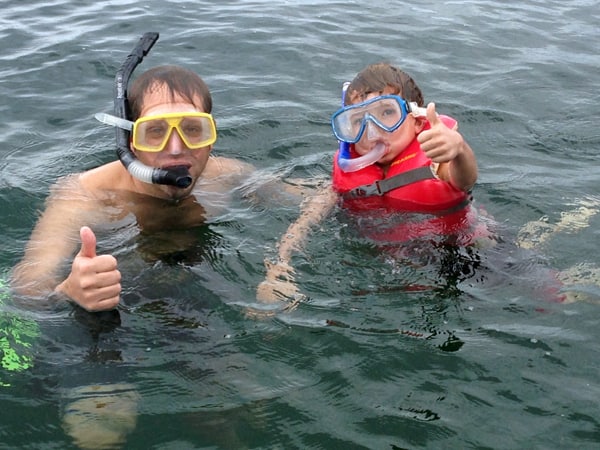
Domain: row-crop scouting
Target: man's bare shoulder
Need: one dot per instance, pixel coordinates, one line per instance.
(110, 176)
(218, 166)
(67, 188)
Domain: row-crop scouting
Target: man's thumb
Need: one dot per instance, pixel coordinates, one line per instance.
(88, 242)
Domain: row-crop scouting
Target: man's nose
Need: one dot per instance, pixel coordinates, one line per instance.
(175, 144)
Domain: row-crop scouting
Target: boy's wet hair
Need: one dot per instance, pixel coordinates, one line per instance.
(376, 77)
(177, 80)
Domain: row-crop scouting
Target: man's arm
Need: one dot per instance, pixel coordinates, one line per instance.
(92, 280)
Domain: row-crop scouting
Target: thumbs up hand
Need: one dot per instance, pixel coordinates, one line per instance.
(440, 143)
(94, 282)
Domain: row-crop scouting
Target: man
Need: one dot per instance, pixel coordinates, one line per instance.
(173, 130)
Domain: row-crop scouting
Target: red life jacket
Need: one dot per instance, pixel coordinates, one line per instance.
(427, 195)
(447, 207)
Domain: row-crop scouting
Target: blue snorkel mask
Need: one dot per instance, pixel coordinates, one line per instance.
(349, 124)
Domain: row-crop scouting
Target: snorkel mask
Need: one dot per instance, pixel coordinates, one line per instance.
(381, 114)
(178, 176)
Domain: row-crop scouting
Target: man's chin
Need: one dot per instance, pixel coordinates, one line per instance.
(176, 193)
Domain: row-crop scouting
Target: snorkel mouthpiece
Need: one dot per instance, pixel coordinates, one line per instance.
(178, 176)
(348, 164)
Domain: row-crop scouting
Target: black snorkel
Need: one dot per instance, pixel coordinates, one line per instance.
(179, 176)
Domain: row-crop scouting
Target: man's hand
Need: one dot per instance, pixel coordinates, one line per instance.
(94, 282)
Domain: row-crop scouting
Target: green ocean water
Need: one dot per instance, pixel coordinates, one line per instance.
(381, 354)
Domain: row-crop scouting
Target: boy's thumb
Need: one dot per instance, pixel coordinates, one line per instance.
(432, 116)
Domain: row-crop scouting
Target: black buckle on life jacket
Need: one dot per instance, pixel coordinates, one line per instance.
(368, 190)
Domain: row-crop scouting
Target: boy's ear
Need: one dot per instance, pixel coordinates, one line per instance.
(420, 123)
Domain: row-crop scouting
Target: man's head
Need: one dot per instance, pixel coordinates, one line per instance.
(171, 106)
(177, 81)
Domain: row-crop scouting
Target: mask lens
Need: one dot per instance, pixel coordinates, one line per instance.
(387, 112)
(152, 133)
(195, 130)
(346, 126)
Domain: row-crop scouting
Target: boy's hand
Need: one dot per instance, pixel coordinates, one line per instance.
(440, 143)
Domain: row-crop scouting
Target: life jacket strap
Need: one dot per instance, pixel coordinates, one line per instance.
(382, 187)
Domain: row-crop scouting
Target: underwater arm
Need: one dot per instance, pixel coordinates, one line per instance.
(54, 241)
(279, 280)
(51, 243)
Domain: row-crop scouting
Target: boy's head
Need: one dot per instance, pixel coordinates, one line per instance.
(177, 80)
(376, 77)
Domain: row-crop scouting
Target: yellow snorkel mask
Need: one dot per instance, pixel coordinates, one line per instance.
(151, 133)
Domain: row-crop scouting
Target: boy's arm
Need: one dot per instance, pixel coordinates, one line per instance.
(447, 147)
(462, 170)
(279, 281)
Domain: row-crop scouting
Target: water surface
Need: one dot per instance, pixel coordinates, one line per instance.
(383, 354)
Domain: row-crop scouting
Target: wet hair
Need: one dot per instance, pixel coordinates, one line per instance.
(177, 80)
(376, 77)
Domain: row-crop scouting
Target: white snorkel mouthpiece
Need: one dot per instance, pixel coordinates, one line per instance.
(114, 121)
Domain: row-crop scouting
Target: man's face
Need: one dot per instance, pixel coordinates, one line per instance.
(175, 152)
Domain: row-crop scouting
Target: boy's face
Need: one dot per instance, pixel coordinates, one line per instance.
(395, 141)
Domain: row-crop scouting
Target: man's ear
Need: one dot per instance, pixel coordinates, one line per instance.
(133, 150)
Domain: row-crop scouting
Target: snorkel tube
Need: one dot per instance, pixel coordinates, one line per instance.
(345, 160)
(179, 176)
